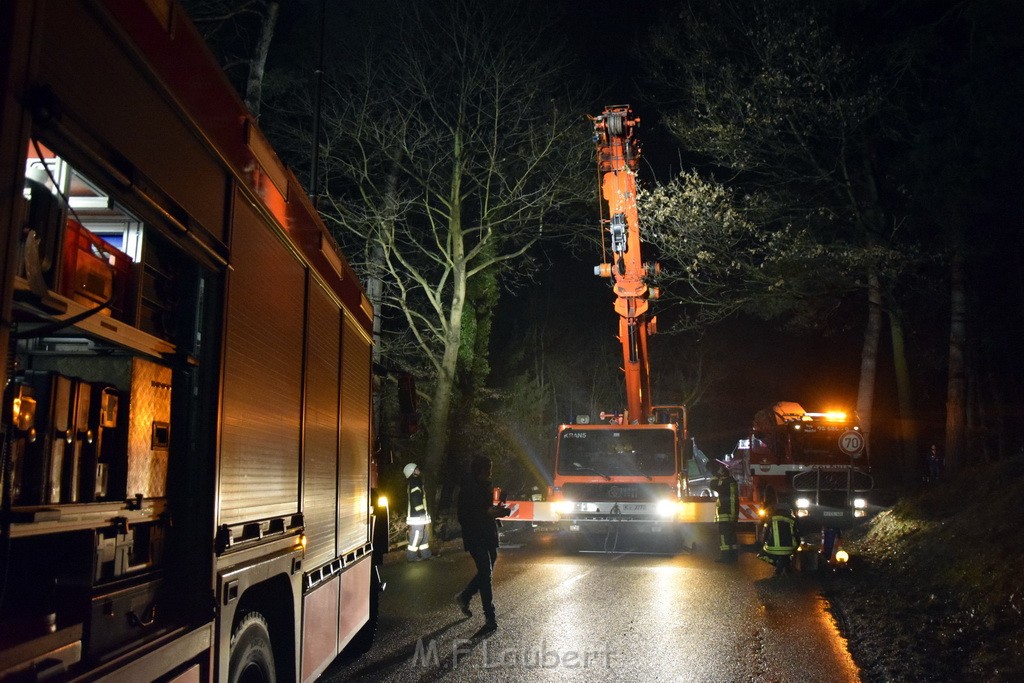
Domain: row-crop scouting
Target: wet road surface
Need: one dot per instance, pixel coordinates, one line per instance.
(617, 616)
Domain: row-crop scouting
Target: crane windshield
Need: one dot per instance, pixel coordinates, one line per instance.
(617, 452)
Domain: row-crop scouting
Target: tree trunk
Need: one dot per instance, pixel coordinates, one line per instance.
(956, 390)
(258, 63)
(869, 358)
(908, 426)
(374, 287)
(440, 406)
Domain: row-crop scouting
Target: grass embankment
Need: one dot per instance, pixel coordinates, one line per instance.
(936, 591)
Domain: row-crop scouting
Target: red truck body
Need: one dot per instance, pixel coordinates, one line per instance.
(186, 417)
(816, 463)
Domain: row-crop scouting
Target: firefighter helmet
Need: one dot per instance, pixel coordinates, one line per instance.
(409, 469)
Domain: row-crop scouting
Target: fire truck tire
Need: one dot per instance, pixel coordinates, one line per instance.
(252, 655)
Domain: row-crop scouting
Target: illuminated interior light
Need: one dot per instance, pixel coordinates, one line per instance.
(842, 557)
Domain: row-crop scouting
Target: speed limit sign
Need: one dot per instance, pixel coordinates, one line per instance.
(851, 442)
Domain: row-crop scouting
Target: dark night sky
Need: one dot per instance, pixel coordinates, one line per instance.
(755, 364)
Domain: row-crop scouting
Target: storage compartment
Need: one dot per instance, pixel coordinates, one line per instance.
(121, 448)
(52, 573)
(125, 550)
(162, 277)
(94, 271)
(50, 465)
(126, 617)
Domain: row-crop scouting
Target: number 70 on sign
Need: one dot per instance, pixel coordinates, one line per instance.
(851, 442)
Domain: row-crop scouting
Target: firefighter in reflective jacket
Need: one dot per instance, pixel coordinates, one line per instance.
(781, 539)
(726, 513)
(417, 516)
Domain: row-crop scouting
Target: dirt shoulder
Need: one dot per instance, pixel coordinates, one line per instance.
(934, 592)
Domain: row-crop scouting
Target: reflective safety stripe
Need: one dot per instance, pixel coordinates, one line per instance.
(748, 513)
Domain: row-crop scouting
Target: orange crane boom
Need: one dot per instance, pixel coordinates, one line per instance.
(617, 158)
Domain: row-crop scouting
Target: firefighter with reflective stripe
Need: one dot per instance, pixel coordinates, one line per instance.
(726, 512)
(781, 539)
(417, 516)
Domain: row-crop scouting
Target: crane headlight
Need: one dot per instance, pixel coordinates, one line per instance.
(563, 506)
(667, 508)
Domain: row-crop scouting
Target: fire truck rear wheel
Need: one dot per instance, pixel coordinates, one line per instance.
(252, 655)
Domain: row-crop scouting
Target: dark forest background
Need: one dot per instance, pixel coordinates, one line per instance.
(833, 189)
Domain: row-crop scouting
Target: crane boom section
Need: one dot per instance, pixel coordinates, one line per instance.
(617, 158)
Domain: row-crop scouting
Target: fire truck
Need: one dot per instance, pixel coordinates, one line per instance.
(816, 463)
(626, 473)
(187, 474)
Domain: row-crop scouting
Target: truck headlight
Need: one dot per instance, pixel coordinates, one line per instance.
(860, 503)
(667, 508)
(803, 503)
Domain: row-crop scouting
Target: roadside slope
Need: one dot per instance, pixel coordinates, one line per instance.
(936, 591)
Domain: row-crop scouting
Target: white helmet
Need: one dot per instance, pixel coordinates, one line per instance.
(409, 469)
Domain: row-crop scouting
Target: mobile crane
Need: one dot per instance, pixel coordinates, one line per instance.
(628, 473)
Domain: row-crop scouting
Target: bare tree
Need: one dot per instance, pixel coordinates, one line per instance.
(241, 33)
(445, 159)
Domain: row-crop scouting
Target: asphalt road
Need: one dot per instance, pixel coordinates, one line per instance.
(618, 616)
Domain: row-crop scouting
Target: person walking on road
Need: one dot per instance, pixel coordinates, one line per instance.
(417, 516)
(478, 516)
(726, 513)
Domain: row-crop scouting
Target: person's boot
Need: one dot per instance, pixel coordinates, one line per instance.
(425, 554)
(411, 556)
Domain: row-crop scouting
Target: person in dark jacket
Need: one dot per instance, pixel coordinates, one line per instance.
(726, 513)
(478, 517)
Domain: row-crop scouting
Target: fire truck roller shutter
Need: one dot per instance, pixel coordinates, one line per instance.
(262, 371)
(322, 424)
